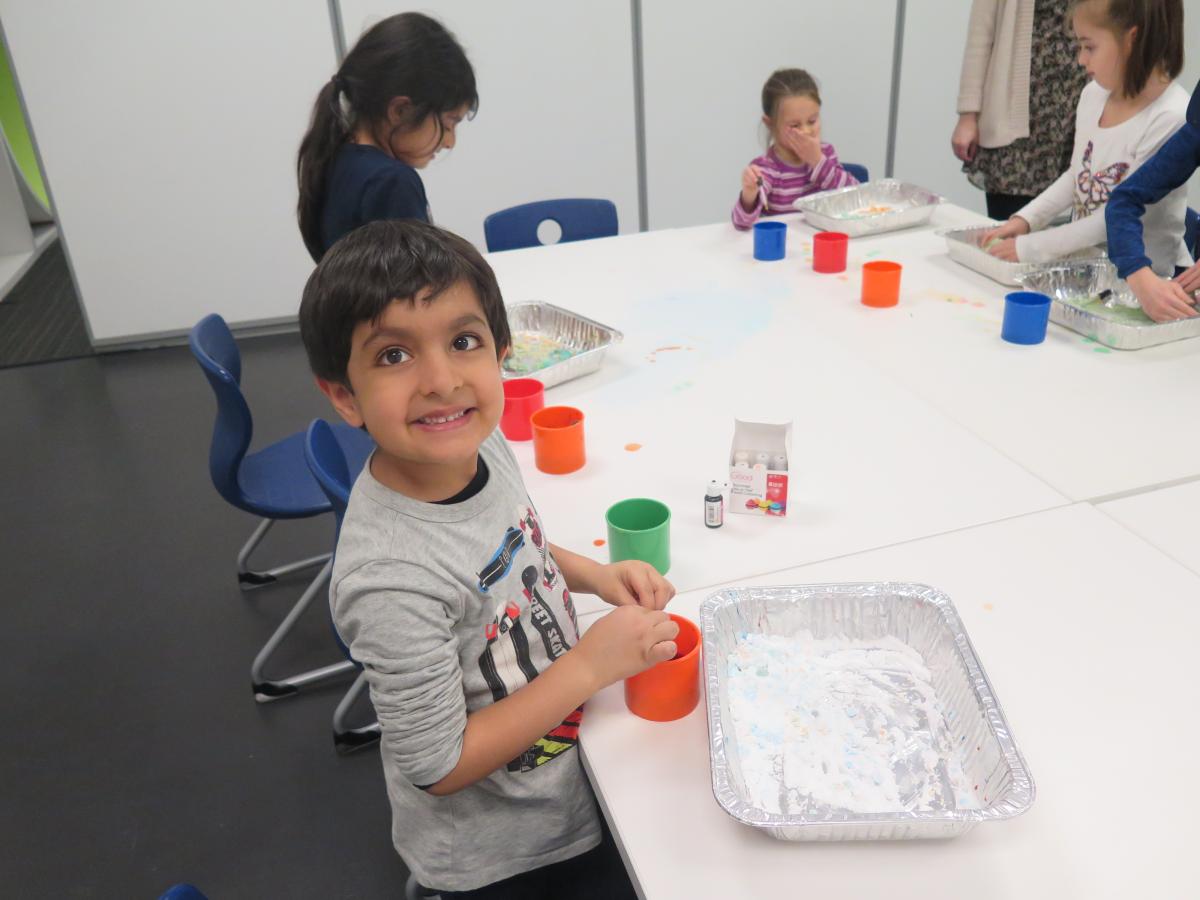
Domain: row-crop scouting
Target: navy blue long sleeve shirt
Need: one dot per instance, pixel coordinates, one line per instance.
(1162, 173)
(366, 185)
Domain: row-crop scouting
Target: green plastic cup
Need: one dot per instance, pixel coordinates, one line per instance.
(640, 529)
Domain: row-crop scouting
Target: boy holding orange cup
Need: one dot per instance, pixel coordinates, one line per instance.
(445, 587)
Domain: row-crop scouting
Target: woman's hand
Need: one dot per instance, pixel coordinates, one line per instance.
(965, 139)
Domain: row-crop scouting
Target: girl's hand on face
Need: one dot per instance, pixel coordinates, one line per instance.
(805, 147)
(751, 180)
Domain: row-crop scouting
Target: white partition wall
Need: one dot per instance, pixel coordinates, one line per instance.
(168, 133)
(935, 32)
(556, 106)
(704, 73)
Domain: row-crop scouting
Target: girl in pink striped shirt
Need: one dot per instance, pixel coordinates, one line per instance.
(796, 162)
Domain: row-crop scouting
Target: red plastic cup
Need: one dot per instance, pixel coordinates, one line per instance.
(881, 283)
(522, 398)
(558, 439)
(671, 689)
(829, 251)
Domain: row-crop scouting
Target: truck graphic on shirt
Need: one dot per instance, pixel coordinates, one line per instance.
(498, 566)
(523, 635)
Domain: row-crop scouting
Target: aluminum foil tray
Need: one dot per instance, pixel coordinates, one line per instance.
(846, 209)
(585, 340)
(1071, 284)
(963, 246)
(976, 734)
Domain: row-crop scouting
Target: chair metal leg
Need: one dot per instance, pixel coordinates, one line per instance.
(345, 739)
(248, 578)
(266, 689)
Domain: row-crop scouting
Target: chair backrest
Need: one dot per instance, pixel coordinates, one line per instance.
(327, 461)
(859, 172)
(580, 220)
(213, 346)
(1191, 232)
(182, 892)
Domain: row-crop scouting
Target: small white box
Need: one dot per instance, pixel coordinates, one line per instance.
(755, 487)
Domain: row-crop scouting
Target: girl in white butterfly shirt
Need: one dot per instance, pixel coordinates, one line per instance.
(1132, 49)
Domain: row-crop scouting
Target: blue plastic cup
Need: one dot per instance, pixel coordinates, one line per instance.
(1025, 316)
(770, 240)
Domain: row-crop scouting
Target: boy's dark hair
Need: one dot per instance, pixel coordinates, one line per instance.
(1157, 43)
(787, 83)
(406, 55)
(380, 263)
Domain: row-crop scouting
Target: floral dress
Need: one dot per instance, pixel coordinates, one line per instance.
(1028, 165)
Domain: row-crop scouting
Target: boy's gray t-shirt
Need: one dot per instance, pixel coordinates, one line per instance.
(450, 608)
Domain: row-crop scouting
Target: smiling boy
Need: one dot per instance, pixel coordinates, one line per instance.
(445, 588)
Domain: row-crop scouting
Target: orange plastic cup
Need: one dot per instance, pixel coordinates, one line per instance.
(881, 283)
(671, 689)
(558, 439)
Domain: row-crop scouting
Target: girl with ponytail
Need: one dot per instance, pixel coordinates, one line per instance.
(394, 103)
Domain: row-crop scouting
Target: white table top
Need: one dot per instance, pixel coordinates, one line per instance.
(1088, 420)
(1087, 634)
(1064, 410)
(871, 464)
(1169, 518)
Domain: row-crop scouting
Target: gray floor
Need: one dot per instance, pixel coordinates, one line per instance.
(136, 755)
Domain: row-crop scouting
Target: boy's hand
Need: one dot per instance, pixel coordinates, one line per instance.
(633, 583)
(806, 147)
(1162, 300)
(623, 643)
(751, 181)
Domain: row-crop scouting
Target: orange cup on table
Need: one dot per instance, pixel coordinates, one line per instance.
(671, 689)
(881, 283)
(558, 439)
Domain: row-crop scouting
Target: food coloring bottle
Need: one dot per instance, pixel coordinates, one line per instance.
(714, 506)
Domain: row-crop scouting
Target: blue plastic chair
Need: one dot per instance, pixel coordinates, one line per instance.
(327, 462)
(1191, 232)
(182, 892)
(273, 482)
(859, 172)
(580, 220)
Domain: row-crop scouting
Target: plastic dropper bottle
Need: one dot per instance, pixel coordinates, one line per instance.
(714, 506)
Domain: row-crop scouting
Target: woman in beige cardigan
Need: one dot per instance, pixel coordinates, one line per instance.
(1017, 95)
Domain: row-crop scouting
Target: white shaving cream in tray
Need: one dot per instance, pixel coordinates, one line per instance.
(838, 725)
